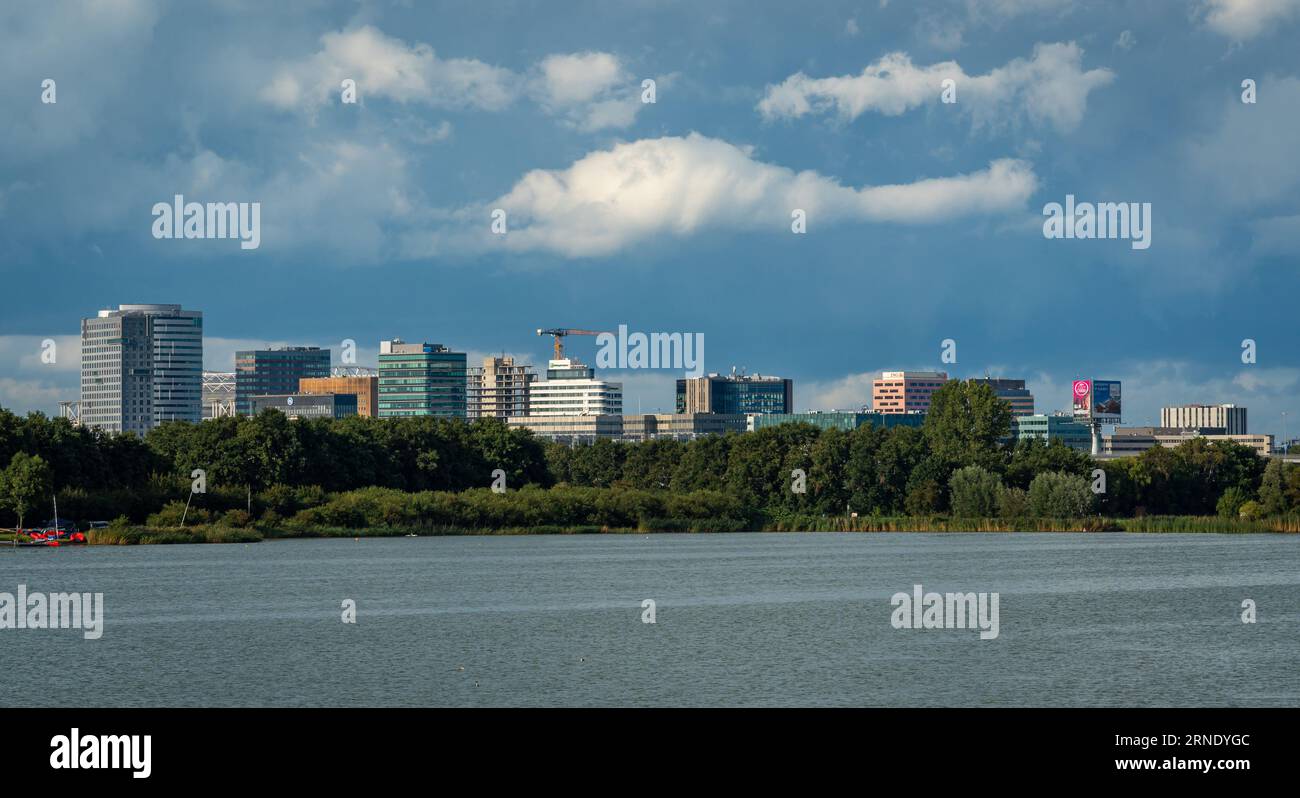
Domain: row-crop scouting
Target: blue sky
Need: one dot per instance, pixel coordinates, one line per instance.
(924, 219)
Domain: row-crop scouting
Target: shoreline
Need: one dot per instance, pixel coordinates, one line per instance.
(200, 533)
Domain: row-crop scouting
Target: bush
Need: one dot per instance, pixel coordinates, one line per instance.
(238, 519)
(1057, 495)
(1013, 503)
(1251, 511)
(1230, 503)
(974, 492)
(172, 513)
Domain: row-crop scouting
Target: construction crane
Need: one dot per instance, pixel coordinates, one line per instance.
(560, 332)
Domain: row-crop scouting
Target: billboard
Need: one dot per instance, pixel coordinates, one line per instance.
(1098, 400)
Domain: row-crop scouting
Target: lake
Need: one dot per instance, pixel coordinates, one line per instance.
(760, 619)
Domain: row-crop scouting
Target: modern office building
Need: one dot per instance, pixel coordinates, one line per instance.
(1228, 419)
(574, 430)
(1054, 427)
(1013, 392)
(499, 388)
(680, 426)
(365, 388)
(905, 391)
(571, 389)
(735, 394)
(836, 419)
(218, 394)
(307, 405)
(141, 365)
(1129, 441)
(420, 380)
(265, 372)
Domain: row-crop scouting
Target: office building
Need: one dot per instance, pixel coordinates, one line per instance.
(264, 372)
(577, 429)
(307, 405)
(571, 389)
(218, 394)
(1129, 441)
(905, 391)
(1054, 427)
(141, 365)
(499, 388)
(735, 394)
(680, 426)
(1227, 419)
(836, 419)
(365, 388)
(1013, 392)
(420, 380)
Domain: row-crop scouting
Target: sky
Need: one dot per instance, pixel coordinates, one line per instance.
(923, 219)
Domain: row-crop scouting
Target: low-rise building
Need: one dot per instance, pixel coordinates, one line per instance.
(307, 405)
(836, 419)
(1057, 426)
(366, 389)
(680, 426)
(571, 429)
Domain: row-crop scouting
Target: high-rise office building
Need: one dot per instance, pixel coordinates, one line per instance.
(263, 372)
(571, 389)
(1229, 418)
(141, 365)
(499, 388)
(365, 388)
(420, 380)
(1013, 392)
(905, 391)
(735, 394)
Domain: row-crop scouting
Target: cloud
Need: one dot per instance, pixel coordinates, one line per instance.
(1245, 19)
(1050, 88)
(679, 186)
(589, 90)
(387, 67)
(850, 392)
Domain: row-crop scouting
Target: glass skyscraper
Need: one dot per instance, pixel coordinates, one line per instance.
(263, 372)
(420, 380)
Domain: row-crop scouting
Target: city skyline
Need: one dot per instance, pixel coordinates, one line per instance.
(375, 216)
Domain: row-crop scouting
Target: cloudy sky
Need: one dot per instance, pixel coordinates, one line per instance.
(924, 219)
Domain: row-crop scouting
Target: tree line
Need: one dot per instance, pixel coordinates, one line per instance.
(960, 462)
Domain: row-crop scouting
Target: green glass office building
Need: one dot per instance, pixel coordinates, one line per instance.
(420, 380)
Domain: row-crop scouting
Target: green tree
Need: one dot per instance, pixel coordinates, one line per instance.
(975, 492)
(1272, 489)
(1057, 495)
(966, 425)
(25, 484)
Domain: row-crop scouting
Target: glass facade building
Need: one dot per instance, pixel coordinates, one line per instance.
(1055, 427)
(308, 405)
(421, 380)
(141, 365)
(735, 394)
(263, 372)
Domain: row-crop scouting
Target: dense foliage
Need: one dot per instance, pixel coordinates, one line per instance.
(438, 473)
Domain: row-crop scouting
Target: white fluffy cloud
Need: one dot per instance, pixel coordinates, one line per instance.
(1245, 19)
(589, 90)
(384, 66)
(592, 91)
(678, 186)
(1051, 87)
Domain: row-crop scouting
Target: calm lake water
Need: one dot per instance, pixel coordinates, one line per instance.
(742, 619)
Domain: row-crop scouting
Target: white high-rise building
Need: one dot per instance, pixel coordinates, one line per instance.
(141, 365)
(571, 389)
